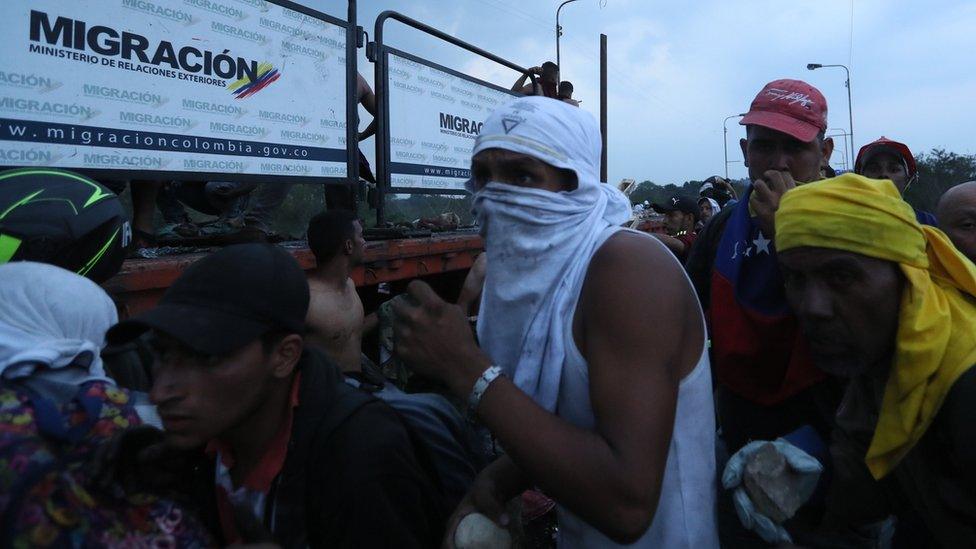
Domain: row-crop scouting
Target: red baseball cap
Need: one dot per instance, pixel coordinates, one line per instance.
(789, 106)
(884, 144)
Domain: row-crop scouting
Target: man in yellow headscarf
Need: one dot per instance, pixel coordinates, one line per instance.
(889, 304)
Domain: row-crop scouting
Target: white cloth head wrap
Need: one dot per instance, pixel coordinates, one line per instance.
(52, 323)
(714, 204)
(538, 242)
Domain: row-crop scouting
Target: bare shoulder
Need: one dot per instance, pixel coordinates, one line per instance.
(637, 300)
(480, 264)
(628, 258)
(632, 279)
(318, 285)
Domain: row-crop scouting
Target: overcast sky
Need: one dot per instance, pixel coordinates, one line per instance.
(678, 68)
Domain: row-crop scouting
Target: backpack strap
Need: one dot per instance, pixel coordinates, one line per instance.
(348, 403)
(326, 403)
(50, 417)
(425, 458)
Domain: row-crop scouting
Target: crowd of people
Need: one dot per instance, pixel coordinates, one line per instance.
(788, 367)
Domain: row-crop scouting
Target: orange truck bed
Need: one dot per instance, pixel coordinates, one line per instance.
(141, 282)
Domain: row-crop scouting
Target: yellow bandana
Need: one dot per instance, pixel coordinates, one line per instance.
(937, 321)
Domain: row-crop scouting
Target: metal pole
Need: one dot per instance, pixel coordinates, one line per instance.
(382, 117)
(850, 102)
(841, 132)
(603, 105)
(850, 111)
(725, 140)
(725, 146)
(378, 54)
(559, 32)
(352, 96)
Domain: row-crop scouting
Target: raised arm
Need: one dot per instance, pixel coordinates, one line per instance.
(368, 100)
(676, 246)
(520, 85)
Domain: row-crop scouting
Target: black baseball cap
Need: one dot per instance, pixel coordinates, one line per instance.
(227, 300)
(679, 204)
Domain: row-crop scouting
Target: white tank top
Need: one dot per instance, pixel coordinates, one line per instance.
(686, 512)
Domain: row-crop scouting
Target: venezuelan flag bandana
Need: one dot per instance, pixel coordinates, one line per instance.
(759, 352)
(936, 340)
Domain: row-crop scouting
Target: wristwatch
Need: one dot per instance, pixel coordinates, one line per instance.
(480, 386)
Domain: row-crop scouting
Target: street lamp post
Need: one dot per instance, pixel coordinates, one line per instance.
(559, 32)
(850, 108)
(725, 140)
(841, 133)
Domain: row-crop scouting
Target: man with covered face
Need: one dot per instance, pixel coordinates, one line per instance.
(889, 304)
(595, 382)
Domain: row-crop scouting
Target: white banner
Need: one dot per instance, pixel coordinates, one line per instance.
(219, 86)
(435, 117)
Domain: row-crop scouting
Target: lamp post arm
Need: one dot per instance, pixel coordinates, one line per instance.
(850, 101)
(559, 33)
(725, 140)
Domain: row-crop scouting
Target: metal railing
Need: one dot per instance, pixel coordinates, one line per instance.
(377, 52)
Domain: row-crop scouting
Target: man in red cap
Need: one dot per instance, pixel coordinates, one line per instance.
(887, 159)
(767, 386)
(733, 267)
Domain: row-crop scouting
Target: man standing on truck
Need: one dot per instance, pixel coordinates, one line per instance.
(547, 85)
(595, 383)
(269, 196)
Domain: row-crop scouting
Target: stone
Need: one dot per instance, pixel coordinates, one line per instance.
(772, 485)
(476, 531)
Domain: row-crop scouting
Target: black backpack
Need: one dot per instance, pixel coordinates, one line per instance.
(349, 402)
(333, 403)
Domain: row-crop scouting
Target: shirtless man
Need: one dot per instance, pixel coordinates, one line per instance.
(335, 313)
(547, 83)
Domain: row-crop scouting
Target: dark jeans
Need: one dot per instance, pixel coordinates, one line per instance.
(207, 198)
(269, 197)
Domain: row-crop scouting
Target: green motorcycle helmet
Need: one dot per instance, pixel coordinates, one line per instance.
(64, 219)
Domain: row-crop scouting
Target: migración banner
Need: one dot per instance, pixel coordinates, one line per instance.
(212, 86)
(435, 116)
